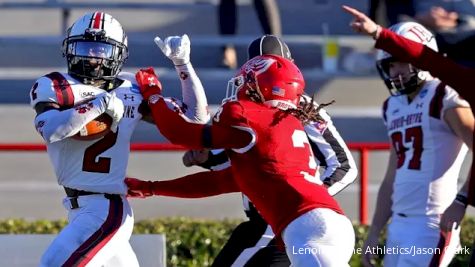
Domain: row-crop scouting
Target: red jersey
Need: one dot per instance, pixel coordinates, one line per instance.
(276, 170)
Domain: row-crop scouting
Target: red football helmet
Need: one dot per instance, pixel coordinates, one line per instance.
(272, 80)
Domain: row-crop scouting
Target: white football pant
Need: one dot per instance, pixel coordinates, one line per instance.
(98, 234)
(417, 241)
(320, 237)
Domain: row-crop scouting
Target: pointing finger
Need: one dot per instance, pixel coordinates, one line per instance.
(352, 11)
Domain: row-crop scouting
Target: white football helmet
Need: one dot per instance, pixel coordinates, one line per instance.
(415, 32)
(95, 47)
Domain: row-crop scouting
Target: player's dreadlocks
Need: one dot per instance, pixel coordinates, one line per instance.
(308, 111)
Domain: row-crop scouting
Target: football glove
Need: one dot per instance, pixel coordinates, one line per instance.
(149, 84)
(176, 48)
(138, 188)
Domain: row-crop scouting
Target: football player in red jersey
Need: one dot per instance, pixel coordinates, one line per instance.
(252, 242)
(261, 128)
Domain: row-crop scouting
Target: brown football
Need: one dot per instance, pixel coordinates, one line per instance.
(95, 129)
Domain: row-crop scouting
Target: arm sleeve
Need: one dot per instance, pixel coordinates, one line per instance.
(56, 124)
(179, 130)
(198, 185)
(459, 77)
(194, 97)
(332, 153)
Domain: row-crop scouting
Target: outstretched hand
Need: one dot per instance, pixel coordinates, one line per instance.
(148, 82)
(195, 157)
(361, 23)
(176, 48)
(138, 188)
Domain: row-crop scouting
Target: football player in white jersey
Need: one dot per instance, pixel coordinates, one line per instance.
(429, 127)
(92, 172)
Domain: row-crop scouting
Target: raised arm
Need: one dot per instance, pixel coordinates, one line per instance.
(178, 50)
(177, 128)
(459, 77)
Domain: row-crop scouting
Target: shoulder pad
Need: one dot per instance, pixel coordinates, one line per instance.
(127, 76)
(444, 98)
(230, 113)
(452, 99)
(52, 88)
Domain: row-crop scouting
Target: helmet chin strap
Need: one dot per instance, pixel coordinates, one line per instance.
(415, 81)
(101, 83)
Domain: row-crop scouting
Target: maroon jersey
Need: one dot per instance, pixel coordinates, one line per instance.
(277, 169)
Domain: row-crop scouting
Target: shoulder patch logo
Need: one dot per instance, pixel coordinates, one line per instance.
(87, 94)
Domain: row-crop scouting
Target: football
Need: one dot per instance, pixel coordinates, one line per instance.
(95, 129)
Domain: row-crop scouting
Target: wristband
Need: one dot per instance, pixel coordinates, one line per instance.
(375, 34)
(462, 199)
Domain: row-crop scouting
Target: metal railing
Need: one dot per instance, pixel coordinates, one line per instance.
(362, 148)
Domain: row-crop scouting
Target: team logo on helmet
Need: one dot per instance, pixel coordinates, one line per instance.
(269, 79)
(258, 65)
(411, 81)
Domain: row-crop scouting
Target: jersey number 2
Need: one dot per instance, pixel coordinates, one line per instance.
(103, 164)
(413, 135)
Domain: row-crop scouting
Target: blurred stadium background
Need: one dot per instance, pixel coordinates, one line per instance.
(30, 40)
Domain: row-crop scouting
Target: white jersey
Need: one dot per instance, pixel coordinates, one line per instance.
(429, 153)
(98, 165)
